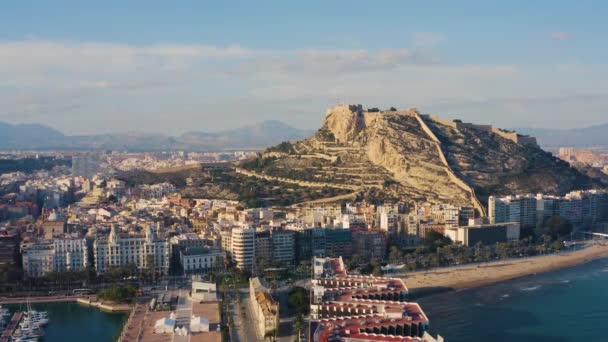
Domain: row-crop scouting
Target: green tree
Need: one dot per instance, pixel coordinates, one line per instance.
(376, 270)
(299, 300)
(395, 255)
(557, 227)
(433, 240)
(298, 324)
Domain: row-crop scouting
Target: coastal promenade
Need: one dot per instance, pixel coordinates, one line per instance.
(83, 300)
(43, 299)
(469, 276)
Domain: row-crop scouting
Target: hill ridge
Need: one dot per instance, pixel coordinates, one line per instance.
(405, 155)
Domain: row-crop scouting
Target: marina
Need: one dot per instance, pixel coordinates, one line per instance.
(63, 321)
(24, 326)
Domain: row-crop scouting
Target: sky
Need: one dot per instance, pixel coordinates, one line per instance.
(176, 66)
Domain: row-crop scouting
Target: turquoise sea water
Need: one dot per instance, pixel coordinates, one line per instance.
(565, 305)
(70, 321)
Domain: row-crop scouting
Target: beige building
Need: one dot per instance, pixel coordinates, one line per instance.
(122, 249)
(264, 308)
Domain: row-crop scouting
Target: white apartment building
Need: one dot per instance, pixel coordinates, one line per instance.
(122, 249)
(63, 253)
(520, 208)
(243, 247)
(199, 259)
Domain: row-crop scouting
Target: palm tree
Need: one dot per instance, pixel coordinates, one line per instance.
(298, 324)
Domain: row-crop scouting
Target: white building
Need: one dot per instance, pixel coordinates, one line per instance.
(122, 249)
(243, 247)
(199, 259)
(520, 208)
(62, 254)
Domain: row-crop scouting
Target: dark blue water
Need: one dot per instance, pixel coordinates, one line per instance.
(565, 305)
(70, 321)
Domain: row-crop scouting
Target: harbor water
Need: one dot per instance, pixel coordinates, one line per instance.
(565, 305)
(70, 321)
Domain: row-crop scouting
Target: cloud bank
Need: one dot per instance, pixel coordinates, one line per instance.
(92, 87)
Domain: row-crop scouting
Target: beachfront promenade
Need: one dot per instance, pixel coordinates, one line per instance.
(475, 275)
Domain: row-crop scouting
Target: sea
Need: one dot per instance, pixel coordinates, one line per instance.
(566, 305)
(70, 321)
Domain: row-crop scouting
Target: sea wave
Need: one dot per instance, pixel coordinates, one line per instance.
(532, 288)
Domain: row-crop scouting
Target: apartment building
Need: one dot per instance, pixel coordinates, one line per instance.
(61, 254)
(243, 247)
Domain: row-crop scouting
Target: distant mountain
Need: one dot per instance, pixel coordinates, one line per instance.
(251, 136)
(27, 135)
(264, 134)
(576, 137)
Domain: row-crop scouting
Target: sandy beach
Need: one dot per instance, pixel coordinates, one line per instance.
(461, 277)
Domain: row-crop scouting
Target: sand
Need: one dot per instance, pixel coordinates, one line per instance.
(469, 276)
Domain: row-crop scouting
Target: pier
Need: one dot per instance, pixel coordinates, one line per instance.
(11, 326)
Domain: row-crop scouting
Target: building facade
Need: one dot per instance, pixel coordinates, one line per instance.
(62, 254)
(145, 251)
(243, 247)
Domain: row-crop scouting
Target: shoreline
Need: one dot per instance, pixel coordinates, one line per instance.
(85, 301)
(459, 278)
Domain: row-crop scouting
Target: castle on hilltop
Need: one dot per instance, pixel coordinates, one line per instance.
(365, 117)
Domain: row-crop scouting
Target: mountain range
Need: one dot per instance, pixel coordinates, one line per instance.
(254, 136)
(35, 136)
(575, 137)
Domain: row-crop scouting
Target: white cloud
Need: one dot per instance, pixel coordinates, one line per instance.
(43, 55)
(80, 85)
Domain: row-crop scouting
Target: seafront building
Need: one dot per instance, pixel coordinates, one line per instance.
(581, 208)
(128, 248)
(484, 233)
(63, 253)
(362, 308)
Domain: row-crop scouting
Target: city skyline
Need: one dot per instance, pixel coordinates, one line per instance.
(153, 67)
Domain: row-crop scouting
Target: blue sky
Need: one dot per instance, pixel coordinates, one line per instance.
(159, 66)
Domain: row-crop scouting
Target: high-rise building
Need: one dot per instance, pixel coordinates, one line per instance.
(520, 208)
(309, 242)
(243, 247)
(263, 246)
(283, 247)
(338, 242)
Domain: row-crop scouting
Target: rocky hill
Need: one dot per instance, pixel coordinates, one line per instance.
(404, 155)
